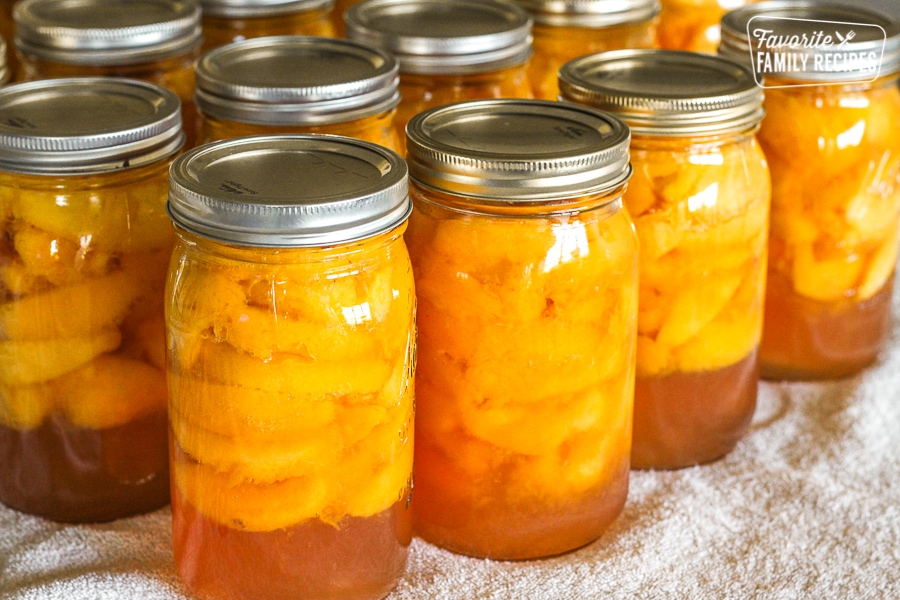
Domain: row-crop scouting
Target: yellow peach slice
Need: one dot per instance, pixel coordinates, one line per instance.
(372, 491)
(718, 345)
(248, 506)
(657, 235)
(17, 280)
(652, 358)
(111, 391)
(881, 267)
(47, 256)
(695, 306)
(25, 407)
(24, 361)
(150, 335)
(825, 280)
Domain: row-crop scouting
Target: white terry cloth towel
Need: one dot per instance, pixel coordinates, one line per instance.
(807, 506)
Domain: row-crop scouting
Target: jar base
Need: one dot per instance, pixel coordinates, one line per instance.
(687, 419)
(77, 475)
(807, 340)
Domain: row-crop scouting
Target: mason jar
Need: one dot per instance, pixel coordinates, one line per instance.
(833, 146)
(226, 21)
(150, 40)
(448, 50)
(86, 246)
(526, 275)
(290, 316)
(297, 84)
(694, 25)
(699, 198)
(566, 30)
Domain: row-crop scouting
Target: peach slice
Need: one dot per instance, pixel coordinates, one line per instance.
(25, 361)
(25, 407)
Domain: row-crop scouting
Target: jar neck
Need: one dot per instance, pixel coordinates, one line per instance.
(355, 250)
(606, 201)
(799, 86)
(695, 142)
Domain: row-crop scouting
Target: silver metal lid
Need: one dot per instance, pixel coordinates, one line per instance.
(866, 32)
(593, 14)
(286, 191)
(106, 32)
(237, 9)
(437, 37)
(512, 150)
(296, 80)
(666, 92)
(86, 125)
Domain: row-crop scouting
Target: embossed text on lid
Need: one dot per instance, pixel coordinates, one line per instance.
(666, 92)
(289, 190)
(511, 150)
(86, 125)
(106, 32)
(590, 13)
(444, 36)
(296, 80)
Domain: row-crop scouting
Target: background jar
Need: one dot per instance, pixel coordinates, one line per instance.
(150, 40)
(566, 30)
(296, 84)
(290, 316)
(834, 151)
(699, 198)
(448, 50)
(86, 246)
(526, 276)
(694, 25)
(226, 21)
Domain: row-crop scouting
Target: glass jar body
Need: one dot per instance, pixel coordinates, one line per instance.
(554, 46)
(419, 92)
(694, 25)
(378, 129)
(834, 152)
(220, 30)
(701, 210)
(526, 373)
(83, 406)
(175, 73)
(291, 410)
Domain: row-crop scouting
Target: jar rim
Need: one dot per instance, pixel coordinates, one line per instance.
(591, 14)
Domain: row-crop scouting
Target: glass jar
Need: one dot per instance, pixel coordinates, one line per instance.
(566, 30)
(526, 275)
(226, 21)
(155, 41)
(296, 84)
(337, 15)
(694, 24)
(86, 246)
(834, 150)
(448, 50)
(290, 316)
(699, 198)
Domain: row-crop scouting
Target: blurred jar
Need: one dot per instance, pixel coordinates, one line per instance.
(291, 331)
(7, 32)
(337, 15)
(834, 150)
(86, 246)
(694, 24)
(566, 30)
(526, 275)
(297, 84)
(448, 50)
(150, 40)
(6, 68)
(699, 198)
(226, 21)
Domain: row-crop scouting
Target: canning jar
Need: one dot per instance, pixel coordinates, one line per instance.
(448, 50)
(150, 40)
(566, 30)
(86, 246)
(699, 198)
(526, 275)
(693, 25)
(337, 15)
(226, 21)
(834, 150)
(297, 84)
(290, 318)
